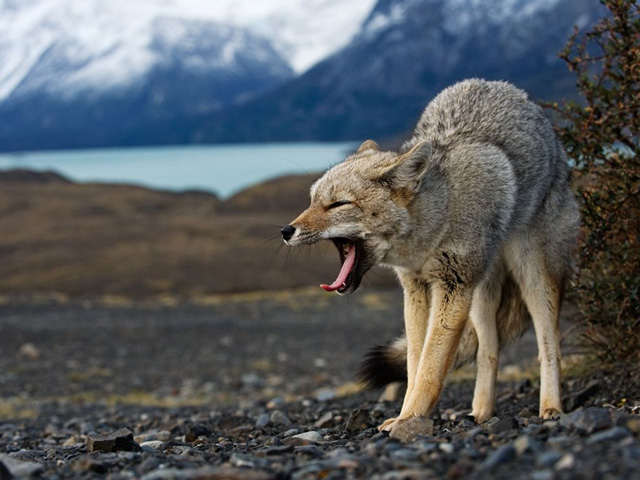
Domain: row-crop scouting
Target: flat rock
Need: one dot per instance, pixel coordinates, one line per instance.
(121, 439)
(589, 420)
(12, 467)
(412, 429)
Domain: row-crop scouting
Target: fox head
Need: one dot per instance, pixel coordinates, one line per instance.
(361, 204)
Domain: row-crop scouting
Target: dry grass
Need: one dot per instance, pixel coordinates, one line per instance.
(131, 242)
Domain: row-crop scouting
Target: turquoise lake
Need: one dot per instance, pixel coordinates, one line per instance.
(222, 169)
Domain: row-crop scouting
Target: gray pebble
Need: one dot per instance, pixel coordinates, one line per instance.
(358, 420)
(613, 434)
(310, 436)
(504, 454)
(263, 421)
(279, 418)
(504, 425)
(548, 459)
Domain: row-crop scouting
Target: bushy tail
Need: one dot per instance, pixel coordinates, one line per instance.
(386, 364)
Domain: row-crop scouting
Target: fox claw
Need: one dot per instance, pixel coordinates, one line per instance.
(387, 425)
(550, 413)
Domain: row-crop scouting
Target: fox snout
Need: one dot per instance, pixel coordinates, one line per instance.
(287, 232)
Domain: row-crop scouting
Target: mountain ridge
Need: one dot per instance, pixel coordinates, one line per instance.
(206, 82)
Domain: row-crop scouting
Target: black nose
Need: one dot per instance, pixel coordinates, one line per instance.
(288, 231)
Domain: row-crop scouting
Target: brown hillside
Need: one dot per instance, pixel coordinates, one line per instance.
(96, 239)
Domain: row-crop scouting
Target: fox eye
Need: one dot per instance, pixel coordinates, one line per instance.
(338, 204)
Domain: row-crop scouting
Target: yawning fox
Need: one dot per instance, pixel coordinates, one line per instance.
(475, 215)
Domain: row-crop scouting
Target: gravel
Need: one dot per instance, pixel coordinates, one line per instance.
(236, 391)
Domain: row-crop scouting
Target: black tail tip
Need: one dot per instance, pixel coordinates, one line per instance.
(379, 369)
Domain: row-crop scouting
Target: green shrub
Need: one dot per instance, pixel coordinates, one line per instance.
(600, 132)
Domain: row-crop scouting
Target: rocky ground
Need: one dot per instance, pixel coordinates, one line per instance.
(261, 386)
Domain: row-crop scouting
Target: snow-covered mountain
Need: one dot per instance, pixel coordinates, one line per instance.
(70, 45)
(118, 72)
(122, 72)
(406, 52)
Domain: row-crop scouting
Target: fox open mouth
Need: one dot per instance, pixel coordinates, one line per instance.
(350, 254)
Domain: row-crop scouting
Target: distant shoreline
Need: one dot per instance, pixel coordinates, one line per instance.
(223, 170)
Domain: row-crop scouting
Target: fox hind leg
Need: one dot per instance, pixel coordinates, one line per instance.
(484, 307)
(542, 294)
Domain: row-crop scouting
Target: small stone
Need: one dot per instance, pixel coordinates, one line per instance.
(291, 432)
(263, 421)
(73, 440)
(559, 442)
(279, 418)
(589, 420)
(548, 459)
(310, 436)
(119, 440)
(446, 447)
(525, 412)
(276, 403)
(358, 420)
(348, 463)
(504, 454)
(324, 421)
(633, 424)
(524, 444)
(30, 351)
(545, 474)
(154, 444)
(405, 454)
(149, 464)
(567, 461)
(162, 435)
(413, 428)
(272, 441)
(296, 442)
(504, 425)
(278, 450)
(242, 460)
(196, 431)
(85, 463)
(491, 422)
(615, 433)
(310, 450)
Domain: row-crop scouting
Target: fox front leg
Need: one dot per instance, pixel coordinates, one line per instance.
(416, 316)
(447, 317)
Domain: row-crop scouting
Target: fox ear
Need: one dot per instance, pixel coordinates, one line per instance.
(409, 168)
(368, 145)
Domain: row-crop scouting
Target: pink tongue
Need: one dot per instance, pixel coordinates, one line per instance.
(344, 271)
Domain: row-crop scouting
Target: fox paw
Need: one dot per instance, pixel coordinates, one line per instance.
(550, 413)
(387, 425)
(481, 415)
